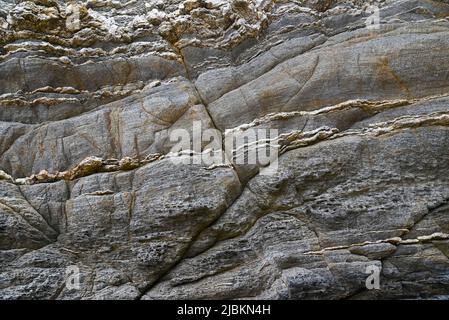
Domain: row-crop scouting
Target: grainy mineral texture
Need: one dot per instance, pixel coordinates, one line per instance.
(92, 92)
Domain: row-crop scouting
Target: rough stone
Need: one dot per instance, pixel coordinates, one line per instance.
(91, 93)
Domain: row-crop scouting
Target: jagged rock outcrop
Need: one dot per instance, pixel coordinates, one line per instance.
(91, 91)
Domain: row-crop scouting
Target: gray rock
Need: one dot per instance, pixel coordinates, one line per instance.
(97, 200)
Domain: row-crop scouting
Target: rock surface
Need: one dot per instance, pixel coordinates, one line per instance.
(91, 91)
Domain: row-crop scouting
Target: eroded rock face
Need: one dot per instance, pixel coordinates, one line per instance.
(91, 91)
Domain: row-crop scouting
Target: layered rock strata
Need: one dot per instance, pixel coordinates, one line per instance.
(91, 92)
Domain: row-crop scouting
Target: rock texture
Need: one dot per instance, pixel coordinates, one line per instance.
(87, 176)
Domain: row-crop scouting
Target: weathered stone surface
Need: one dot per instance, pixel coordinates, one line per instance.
(92, 181)
(124, 228)
(113, 131)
